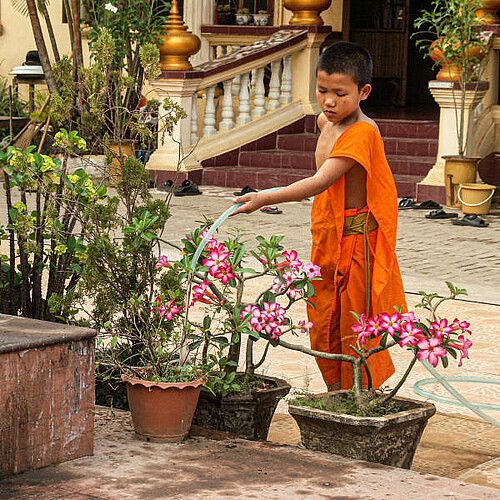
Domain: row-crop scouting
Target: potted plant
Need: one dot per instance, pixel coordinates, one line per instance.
(377, 426)
(225, 13)
(449, 35)
(243, 16)
(261, 18)
(217, 278)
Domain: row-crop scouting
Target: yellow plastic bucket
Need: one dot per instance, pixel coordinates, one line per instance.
(475, 198)
(458, 170)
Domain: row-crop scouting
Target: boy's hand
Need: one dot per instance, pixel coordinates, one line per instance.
(251, 202)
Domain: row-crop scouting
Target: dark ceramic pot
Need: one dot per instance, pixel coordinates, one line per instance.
(247, 414)
(390, 440)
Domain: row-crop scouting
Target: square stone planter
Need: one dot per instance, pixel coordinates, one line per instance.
(390, 440)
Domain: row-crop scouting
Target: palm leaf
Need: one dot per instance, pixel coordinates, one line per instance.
(22, 7)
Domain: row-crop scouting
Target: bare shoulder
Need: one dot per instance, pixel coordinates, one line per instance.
(367, 119)
(322, 121)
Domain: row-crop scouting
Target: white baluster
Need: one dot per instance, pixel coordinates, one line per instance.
(194, 119)
(227, 121)
(236, 80)
(209, 119)
(286, 81)
(259, 101)
(253, 82)
(274, 86)
(244, 105)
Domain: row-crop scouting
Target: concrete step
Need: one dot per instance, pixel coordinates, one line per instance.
(297, 142)
(278, 158)
(423, 129)
(410, 146)
(410, 165)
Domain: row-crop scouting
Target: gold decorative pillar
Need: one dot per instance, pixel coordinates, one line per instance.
(177, 43)
(307, 12)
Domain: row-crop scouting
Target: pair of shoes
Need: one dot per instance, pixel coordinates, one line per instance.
(187, 188)
(271, 210)
(408, 202)
(245, 190)
(440, 214)
(470, 220)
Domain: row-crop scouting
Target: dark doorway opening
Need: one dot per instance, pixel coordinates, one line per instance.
(386, 29)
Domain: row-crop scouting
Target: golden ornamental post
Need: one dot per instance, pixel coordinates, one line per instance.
(307, 12)
(177, 43)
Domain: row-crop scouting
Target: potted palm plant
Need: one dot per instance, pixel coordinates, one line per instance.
(450, 36)
(372, 425)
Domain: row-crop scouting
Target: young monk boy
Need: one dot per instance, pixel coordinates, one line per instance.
(354, 215)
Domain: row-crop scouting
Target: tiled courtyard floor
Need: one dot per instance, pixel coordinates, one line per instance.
(456, 445)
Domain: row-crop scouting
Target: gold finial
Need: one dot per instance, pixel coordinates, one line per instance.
(177, 43)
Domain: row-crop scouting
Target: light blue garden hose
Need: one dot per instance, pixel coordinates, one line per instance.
(216, 225)
(461, 400)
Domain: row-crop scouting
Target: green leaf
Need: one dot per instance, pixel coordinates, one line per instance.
(207, 321)
(114, 341)
(445, 362)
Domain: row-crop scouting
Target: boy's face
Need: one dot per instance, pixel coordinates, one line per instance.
(339, 96)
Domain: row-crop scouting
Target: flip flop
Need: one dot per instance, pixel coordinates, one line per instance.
(428, 205)
(406, 202)
(271, 210)
(245, 190)
(440, 214)
(470, 220)
(167, 186)
(187, 188)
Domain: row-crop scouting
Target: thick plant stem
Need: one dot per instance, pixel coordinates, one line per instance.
(357, 377)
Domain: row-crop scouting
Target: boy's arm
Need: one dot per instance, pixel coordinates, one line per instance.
(331, 170)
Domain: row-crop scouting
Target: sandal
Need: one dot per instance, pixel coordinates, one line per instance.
(429, 204)
(167, 186)
(271, 210)
(245, 190)
(440, 214)
(187, 188)
(470, 220)
(406, 202)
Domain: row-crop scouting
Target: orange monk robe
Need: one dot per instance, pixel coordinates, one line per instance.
(342, 258)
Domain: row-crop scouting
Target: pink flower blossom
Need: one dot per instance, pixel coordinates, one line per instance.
(374, 326)
(463, 347)
(431, 350)
(215, 260)
(291, 260)
(163, 262)
(390, 323)
(312, 271)
(461, 325)
(305, 327)
(361, 329)
(167, 310)
(225, 274)
(410, 334)
(199, 291)
(441, 329)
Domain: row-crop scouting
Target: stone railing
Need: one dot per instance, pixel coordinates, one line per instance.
(244, 94)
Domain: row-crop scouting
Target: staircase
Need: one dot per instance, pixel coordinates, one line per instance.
(287, 155)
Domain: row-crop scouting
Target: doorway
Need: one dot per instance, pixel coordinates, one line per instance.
(385, 29)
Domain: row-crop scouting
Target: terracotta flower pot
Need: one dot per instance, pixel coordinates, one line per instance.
(487, 13)
(162, 412)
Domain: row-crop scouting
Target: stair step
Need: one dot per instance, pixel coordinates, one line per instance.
(297, 142)
(411, 146)
(278, 158)
(410, 165)
(406, 185)
(409, 128)
(259, 178)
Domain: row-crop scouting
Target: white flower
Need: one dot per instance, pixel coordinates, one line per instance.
(111, 7)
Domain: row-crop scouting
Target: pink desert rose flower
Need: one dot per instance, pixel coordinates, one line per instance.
(167, 310)
(410, 334)
(463, 347)
(461, 325)
(199, 291)
(305, 327)
(391, 324)
(441, 329)
(215, 260)
(291, 260)
(361, 328)
(374, 326)
(163, 262)
(225, 273)
(431, 350)
(312, 271)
